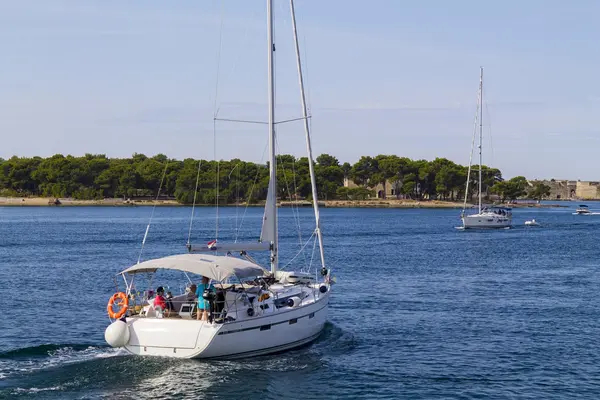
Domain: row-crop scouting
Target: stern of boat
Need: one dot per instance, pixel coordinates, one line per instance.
(179, 338)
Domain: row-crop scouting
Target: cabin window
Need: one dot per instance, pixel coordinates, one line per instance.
(293, 321)
(265, 327)
(311, 315)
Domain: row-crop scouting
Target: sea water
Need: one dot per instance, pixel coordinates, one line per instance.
(420, 309)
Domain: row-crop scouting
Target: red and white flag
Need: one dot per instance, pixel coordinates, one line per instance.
(212, 244)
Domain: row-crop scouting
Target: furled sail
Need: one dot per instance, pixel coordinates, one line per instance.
(267, 233)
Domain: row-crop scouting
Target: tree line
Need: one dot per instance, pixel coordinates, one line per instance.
(95, 176)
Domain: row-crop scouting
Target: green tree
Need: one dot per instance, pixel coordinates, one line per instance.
(539, 191)
(362, 172)
(97, 176)
(512, 189)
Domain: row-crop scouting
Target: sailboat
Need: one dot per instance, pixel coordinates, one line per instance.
(486, 217)
(252, 310)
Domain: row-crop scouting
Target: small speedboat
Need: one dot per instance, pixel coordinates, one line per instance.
(582, 210)
(532, 222)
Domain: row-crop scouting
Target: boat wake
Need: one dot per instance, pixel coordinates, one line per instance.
(64, 369)
(51, 368)
(30, 359)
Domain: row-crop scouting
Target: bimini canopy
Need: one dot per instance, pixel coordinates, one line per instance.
(214, 267)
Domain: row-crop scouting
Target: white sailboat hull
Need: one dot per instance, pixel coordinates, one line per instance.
(269, 313)
(260, 335)
(486, 221)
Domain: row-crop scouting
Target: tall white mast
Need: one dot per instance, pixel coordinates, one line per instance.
(311, 167)
(480, 131)
(271, 212)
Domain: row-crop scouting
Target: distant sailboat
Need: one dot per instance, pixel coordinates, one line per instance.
(486, 217)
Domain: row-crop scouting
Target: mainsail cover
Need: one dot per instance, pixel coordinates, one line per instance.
(267, 233)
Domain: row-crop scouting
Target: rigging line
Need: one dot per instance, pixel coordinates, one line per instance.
(244, 41)
(251, 191)
(312, 255)
(295, 196)
(219, 58)
(306, 74)
(217, 183)
(189, 241)
(471, 155)
(162, 179)
(305, 244)
(294, 207)
(274, 63)
(487, 112)
(237, 198)
(308, 264)
(215, 111)
(237, 191)
(292, 120)
(247, 121)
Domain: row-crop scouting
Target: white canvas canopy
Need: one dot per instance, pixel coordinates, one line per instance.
(214, 267)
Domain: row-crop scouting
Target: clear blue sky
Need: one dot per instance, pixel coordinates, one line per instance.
(384, 76)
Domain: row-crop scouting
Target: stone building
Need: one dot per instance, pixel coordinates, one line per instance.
(391, 188)
(565, 189)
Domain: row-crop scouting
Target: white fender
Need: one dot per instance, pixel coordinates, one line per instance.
(117, 334)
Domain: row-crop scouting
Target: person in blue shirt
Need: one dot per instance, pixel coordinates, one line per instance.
(203, 305)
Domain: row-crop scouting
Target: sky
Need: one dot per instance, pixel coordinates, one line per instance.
(118, 77)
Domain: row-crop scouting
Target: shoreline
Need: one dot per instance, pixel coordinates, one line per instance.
(375, 203)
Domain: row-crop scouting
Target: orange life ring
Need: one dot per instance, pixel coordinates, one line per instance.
(124, 303)
(263, 297)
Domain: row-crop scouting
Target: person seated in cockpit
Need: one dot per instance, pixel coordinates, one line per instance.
(159, 300)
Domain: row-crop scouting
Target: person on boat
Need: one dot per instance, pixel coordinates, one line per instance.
(191, 293)
(159, 300)
(203, 305)
(169, 300)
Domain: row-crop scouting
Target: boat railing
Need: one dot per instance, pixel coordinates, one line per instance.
(242, 305)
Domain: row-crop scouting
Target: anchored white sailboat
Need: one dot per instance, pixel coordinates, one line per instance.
(486, 217)
(253, 311)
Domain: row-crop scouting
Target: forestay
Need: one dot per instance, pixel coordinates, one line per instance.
(214, 267)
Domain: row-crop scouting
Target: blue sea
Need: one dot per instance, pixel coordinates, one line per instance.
(420, 309)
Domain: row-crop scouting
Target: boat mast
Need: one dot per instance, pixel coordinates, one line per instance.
(271, 212)
(311, 167)
(480, 130)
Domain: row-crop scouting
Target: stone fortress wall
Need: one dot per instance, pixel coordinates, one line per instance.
(565, 189)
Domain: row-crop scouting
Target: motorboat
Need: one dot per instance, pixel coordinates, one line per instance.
(582, 210)
(532, 222)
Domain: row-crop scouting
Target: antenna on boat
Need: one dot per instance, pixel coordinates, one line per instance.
(311, 167)
(271, 210)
